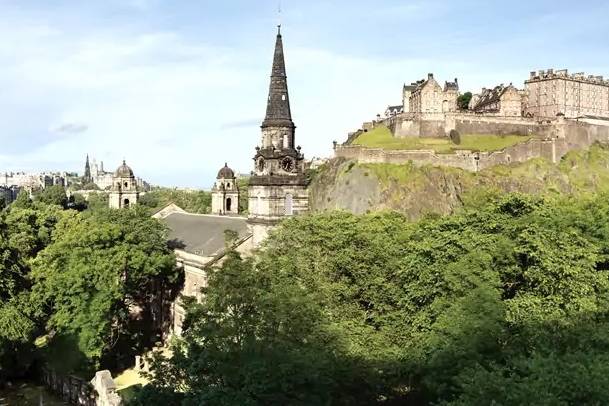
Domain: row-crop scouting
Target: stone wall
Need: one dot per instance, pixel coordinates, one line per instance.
(413, 125)
(72, 390)
(561, 137)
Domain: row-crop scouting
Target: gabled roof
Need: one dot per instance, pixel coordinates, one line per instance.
(489, 96)
(202, 234)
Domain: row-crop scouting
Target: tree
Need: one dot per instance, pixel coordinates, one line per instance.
(463, 100)
(503, 303)
(55, 194)
(98, 281)
(23, 200)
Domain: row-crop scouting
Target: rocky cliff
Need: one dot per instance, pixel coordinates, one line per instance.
(348, 185)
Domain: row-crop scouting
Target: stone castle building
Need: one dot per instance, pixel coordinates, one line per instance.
(278, 185)
(427, 97)
(551, 93)
(501, 100)
(124, 192)
(225, 193)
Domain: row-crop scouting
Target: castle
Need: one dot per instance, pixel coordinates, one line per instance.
(546, 94)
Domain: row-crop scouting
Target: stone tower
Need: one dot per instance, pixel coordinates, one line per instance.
(124, 193)
(278, 185)
(87, 176)
(225, 194)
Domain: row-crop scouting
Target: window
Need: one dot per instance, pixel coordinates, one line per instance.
(126, 184)
(288, 205)
(126, 203)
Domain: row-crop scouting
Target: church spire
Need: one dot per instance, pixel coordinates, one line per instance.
(278, 105)
(87, 176)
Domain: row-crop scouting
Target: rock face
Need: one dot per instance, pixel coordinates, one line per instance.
(417, 191)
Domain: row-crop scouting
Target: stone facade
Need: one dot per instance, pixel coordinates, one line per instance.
(551, 93)
(125, 192)
(278, 185)
(500, 100)
(428, 98)
(225, 193)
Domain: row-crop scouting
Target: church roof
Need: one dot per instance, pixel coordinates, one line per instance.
(278, 111)
(124, 171)
(200, 234)
(225, 172)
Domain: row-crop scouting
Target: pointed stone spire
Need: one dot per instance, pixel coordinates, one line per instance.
(87, 176)
(278, 105)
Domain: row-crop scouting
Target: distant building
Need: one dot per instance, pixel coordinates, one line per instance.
(9, 193)
(103, 179)
(551, 93)
(225, 193)
(428, 97)
(500, 100)
(125, 192)
(393, 111)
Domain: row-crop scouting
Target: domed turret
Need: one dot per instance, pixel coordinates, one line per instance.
(124, 171)
(225, 173)
(225, 193)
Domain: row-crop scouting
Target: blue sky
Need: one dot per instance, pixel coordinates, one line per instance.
(179, 87)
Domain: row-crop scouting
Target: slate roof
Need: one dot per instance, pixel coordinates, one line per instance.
(202, 234)
(489, 96)
(278, 105)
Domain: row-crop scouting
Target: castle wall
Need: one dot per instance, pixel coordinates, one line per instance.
(472, 124)
(559, 138)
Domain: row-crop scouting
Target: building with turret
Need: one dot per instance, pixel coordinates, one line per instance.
(225, 193)
(124, 193)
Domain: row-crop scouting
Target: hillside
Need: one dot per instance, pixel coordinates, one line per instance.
(343, 184)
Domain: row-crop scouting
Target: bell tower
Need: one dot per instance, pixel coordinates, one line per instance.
(278, 185)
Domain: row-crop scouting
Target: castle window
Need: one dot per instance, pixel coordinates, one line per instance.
(283, 97)
(126, 203)
(126, 184)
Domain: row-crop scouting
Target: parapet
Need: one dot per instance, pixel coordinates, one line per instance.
(564, 73)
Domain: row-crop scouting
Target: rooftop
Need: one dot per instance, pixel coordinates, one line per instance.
(202, 234)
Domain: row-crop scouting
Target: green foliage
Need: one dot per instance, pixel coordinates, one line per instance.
(191, 201)
(381, 137)
(463, 100)
(97, 201)
(53, 195)
(455, 137)
(23, 200)
(504, 303)
(96, 272)
(90, 186)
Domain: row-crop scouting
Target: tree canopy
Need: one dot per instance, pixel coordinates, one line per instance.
(507, 303)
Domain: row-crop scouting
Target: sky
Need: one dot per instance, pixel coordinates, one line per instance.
(179, 87)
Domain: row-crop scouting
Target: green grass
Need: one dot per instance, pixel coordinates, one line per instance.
(381, 137)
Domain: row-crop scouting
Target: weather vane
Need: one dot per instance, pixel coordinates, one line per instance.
(279, 14)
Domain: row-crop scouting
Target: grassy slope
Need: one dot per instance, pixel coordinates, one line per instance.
(417, 191)
(380, 137)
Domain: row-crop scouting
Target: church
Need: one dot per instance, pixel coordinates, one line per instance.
(277, 189)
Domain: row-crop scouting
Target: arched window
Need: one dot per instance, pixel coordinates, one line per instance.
(229, 204)
(126, 203)
(126, 184)
(288, 205)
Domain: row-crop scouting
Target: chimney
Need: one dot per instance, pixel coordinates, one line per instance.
(429, 76)
(532, 76)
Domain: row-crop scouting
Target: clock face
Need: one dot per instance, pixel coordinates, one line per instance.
(260, 164)
(287, 164)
